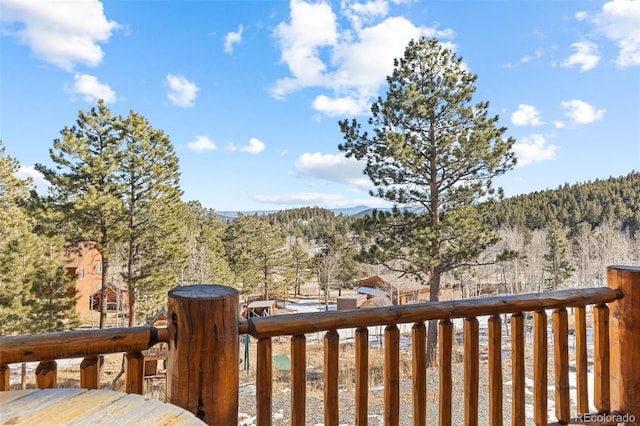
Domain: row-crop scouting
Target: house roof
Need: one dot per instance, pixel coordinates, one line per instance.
(371, 291)
(261, 304)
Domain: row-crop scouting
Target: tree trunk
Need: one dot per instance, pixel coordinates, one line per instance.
(103, 290)
(132, 304)
(432, 331)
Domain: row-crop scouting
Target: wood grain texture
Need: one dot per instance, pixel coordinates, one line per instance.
(47, 375)
(264, 382)
(391, 375)
(134, 378)
(419, 369)
(306, 323)
(362, 376)
(471, 368)
(203, 354)
(331, 409)
(582, 386)
(88, 407)
(601, 376)
(298, 379)
(540, 360)
(78, 343)
(561, 365)
(518, 414)
(445, 343)
(90, 373)
(495, 370)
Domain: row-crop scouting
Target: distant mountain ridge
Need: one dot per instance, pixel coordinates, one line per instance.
(358, 211)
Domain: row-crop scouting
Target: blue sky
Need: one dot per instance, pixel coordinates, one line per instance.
(250, 92)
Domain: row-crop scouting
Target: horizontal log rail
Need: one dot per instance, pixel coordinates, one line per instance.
(307, 323)
(79, 343)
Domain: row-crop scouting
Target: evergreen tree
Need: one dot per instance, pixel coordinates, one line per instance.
(558, 266)
(85, 187)
(433, 153)
(150, 178)
(256, 253)
(300, 266)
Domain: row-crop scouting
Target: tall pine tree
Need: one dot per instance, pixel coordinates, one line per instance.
(433, 153)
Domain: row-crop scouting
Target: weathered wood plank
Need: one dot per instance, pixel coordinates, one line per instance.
(419, 370)
(83, 407)
(264, 382)
(391, 375)
(362, 376)
(78, 343)
(288, 325)
(496, 416)
(540, 360)
(331, 347)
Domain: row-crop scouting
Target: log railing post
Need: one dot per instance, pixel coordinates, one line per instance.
(202, 360)
(624, 339)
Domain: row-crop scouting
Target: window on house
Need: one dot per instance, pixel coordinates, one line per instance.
(80, 273)
(99, 267)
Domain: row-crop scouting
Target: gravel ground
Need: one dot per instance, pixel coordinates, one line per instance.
(315, 409)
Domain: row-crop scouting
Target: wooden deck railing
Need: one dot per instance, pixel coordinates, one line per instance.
(87, 344)
(203, 352)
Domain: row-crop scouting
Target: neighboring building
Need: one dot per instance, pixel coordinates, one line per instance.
(406, 291)
(86, 264)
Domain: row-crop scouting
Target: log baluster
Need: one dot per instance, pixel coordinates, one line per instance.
(582, 387)
(495, 370)
(601, 377)
(391, 375)
(331, 346)
(264, 382)
(298, 379)
(419, 368)
(471, 367)
(445, 337)
(540, 360)
(47, 375)
(362, 376)
(561, 365)
(135, 373)
(5, 377)
(517, 368)
(90, 372)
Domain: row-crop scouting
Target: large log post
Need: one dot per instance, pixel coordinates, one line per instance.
(624, 338)
(202, 361)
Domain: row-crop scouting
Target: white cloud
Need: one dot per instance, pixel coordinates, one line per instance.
(330, 201)
(581, 16)
(351, 63)
(182, 92)
(534, 149)
(364, 13)
(586, 56)
(581, 112)
(526, 115)
(332, 167)
(255, 146)
(202, 143)
(90, 89)
(231, 39)
(340, 106)
(619, 21)
(30, 172)
(63, 32)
